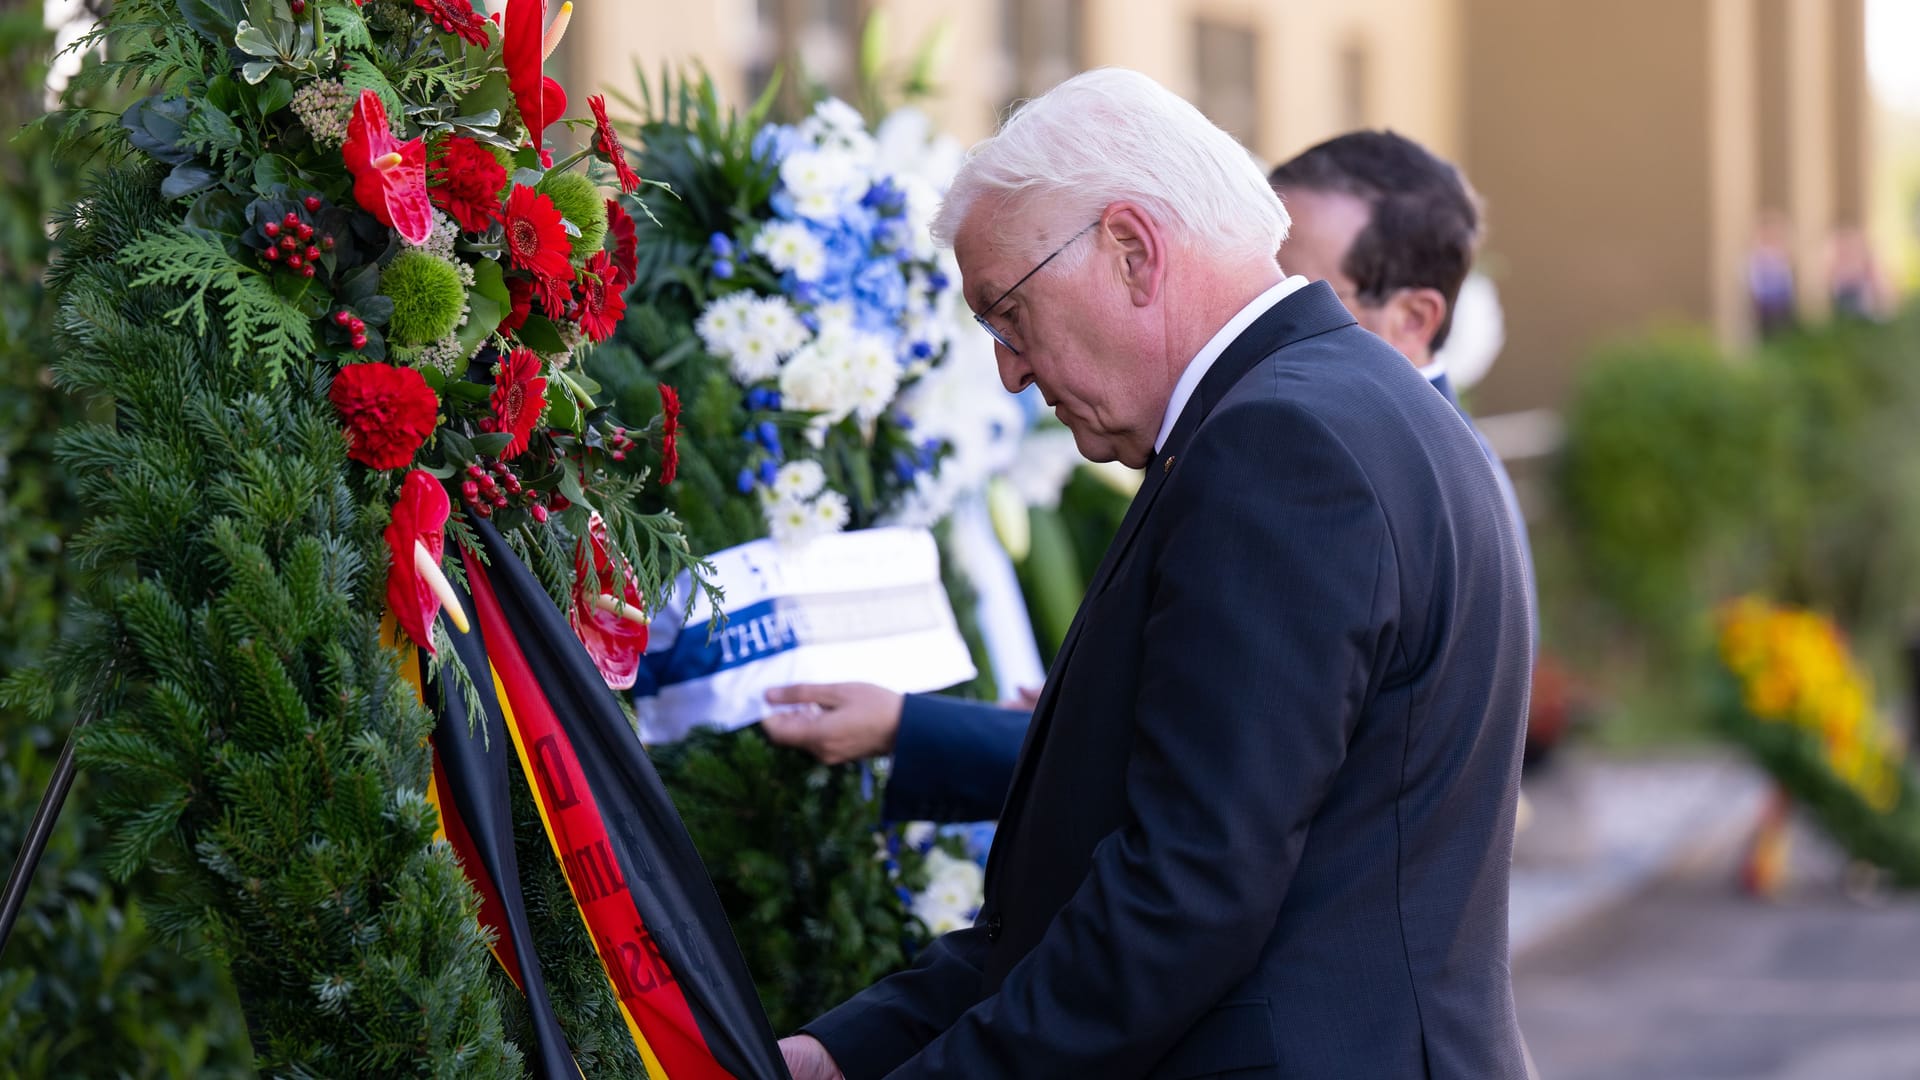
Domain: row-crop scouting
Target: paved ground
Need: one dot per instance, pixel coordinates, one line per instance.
(1691, 980)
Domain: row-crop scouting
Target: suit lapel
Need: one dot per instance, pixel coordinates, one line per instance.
(1311, 310)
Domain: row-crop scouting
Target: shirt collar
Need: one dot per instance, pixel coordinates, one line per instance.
(1202, 362)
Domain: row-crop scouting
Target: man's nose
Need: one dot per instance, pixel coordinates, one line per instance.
(1015, 374)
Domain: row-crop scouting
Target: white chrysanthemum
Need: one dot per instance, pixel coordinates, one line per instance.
(822, 182)
(755, 358)
(830, 512)
(953, 892)
(799, 480)
(917, 834)
(874, 391)
(774, 319)
(813, 381)
(789, 246)
(789, 521)
(724, 323)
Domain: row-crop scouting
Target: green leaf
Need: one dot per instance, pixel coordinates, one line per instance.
(492, 443)
(275, 94)
(256, 71)
(218, 213)
(487, 303)
(269, 172)
(187, 179)
(214, 20)
(254, 41)
(561, 410)
(467, 390)
(459, 449)
(540, 335)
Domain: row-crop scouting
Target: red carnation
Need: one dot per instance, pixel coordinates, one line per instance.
(419, 517)
(626, 244)
(601, 304)
(521, 291)
(607, 142)
(456, 17)
(669, 434)
(537, 243)
(609, 624)
(389, 176)
(389, 412)
(466, 183)
(518, 396)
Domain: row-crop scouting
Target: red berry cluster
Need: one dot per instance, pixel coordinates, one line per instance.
(292, 243)
(619, 443)
(354, 325)
(299, 7)
(485, 494)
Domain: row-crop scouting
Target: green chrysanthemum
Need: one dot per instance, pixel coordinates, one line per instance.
(581, 203)
(427, 298)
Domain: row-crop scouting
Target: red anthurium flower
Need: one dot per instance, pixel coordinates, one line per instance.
(456, 17)
(541, 100)
(389, 176)
(389, 412)
(518, 396)
(669, 434)
(607, 142)
(610, 624)
(601, 303)
(467, 182)
(626, 244)
(419, 517)
(537, 243)
(521, 290)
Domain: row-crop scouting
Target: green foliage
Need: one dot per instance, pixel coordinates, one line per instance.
(580, 202)
(427, 297)
(267, 762)
(259, 321)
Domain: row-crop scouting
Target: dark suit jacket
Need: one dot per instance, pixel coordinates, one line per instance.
(1262, 823)
(952, 760)
(1507, 495)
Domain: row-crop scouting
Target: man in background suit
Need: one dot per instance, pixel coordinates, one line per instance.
(1263, 817)
(1394, 230)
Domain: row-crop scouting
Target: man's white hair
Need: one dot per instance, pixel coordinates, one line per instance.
(1113, 135)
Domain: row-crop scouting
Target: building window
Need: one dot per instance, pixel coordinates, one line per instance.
(1226, 69)
(1042, 43)
(1355, 79)
(816, 43)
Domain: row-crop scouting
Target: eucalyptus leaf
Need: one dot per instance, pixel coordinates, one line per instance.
(188, 178)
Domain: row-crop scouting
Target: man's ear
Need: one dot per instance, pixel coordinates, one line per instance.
(1143, 250)
(1415, 315)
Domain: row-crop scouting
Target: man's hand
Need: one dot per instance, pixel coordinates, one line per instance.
(835, 722)
(807, 1059)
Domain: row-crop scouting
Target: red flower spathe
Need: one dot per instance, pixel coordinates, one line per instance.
(389, 176)
(626, 243)
(518, 396)
(537, 242)
(669, 434)
(614, 643)
(420, 515)
(541, 100)
(389, 412)
(467, 182)
(607, 141)
(601, 302)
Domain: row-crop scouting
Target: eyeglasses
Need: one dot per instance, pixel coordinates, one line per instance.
(982, 319)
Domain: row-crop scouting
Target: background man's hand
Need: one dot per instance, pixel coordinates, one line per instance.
(835, 722)
(807, 1059)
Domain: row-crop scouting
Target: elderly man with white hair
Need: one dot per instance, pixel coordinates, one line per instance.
(1262, 822)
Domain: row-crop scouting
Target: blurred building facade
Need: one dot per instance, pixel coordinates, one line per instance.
(1631, 154)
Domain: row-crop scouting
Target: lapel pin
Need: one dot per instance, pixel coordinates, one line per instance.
(1167, 465)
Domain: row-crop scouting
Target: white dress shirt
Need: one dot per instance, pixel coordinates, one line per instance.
(1203, 361)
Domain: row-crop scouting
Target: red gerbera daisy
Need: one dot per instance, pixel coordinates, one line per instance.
(466, 183)
(518, 396)
(456, 17)
(669, 434)
(537, 243)
(389, 412)
(600, 305)
(607, 142)
(626, 244)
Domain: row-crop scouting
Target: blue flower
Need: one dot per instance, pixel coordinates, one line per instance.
(904, 467)
(922, 350)
(723, 269)
(938, 281)
(745, 481)
(767, 470)
(769, 435)
(721, 245)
